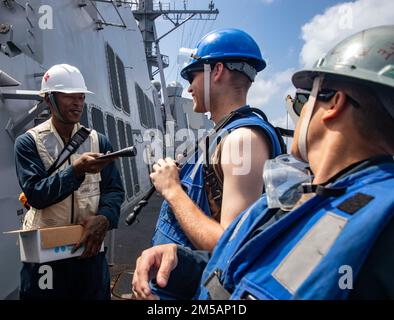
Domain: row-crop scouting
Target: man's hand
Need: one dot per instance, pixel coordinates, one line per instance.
(157, 262)
(95, 229)
(165, 177)
(87, 163)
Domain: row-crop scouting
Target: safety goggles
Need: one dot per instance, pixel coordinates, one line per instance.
(302, 96)
(283, 177)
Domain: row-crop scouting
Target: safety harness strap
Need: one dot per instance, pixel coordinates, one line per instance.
(215, 288)
(213, 180)
(70, 148)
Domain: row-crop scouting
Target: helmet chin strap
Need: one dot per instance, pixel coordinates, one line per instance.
(310, 105)
(52, 99)
(207, 85)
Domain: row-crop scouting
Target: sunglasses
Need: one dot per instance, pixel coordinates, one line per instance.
(192, 73)
(302, 96)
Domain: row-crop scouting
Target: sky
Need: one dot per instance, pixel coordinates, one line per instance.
(292, 34)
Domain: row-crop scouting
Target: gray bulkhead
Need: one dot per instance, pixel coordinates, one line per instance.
(74, 39)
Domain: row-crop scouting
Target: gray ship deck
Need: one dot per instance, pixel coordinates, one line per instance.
(130, 241)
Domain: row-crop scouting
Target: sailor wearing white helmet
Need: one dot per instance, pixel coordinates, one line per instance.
(81, 190)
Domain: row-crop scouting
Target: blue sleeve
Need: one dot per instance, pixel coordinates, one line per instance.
(111, 188)
(184, 280)
(375, 280)
(41, 191)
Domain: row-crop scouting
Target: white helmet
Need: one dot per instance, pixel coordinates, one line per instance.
(63, 78)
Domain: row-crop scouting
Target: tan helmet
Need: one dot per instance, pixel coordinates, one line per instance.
(63, 78)
(367, 56)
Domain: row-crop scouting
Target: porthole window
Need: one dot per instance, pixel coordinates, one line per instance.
(98, 120)
(117, 79)
(134, 171)
(145, 107)
(113, 139)
(125, 161)
(84, 118)
(124, 95)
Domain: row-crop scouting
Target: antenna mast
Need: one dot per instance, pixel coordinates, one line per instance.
(146, 12)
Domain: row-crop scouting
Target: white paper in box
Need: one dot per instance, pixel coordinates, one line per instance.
(50, 244)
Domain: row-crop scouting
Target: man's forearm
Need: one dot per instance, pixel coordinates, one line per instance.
(51, 190)
(109, 207)
(201, 230)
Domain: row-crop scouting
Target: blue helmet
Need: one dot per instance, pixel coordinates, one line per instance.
(233, 47)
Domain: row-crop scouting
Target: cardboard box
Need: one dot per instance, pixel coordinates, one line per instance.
(49, 244)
